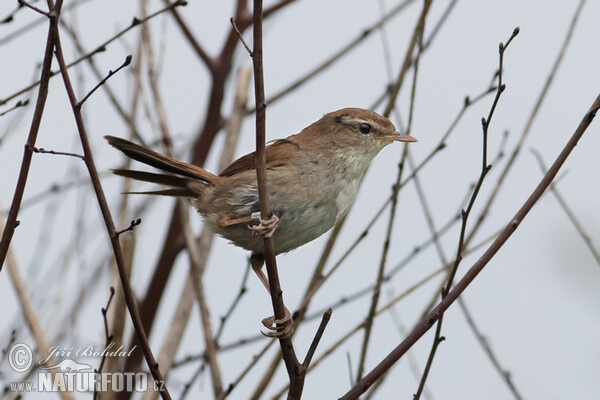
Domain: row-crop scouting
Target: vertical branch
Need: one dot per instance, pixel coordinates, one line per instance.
(394, 205)
(296, 371)
(11, 219)
(485, 258)
(110, 227)
(416, 40)
(511, 160)
(180, 319)
(485, 168)
(118, 312)
(197, 262)
(395, 89)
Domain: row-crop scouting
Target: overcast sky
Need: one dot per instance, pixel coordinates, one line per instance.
(537, 302)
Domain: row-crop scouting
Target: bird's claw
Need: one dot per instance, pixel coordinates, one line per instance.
(281, 328)
(266, 227)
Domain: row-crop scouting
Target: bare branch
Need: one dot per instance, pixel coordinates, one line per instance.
(107, 337)
(11, 219)
(485, 210)
(460, 286)
(296, 371)
(110, 227)
(99, 49)
(59, 153)
(317, 338)
(232, 20)
(110, 73)
(395, 89)
(485, 168)
(18, 104)
(132, 225)
(34, 8)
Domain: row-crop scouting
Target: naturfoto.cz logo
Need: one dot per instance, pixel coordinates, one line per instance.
(72, 376)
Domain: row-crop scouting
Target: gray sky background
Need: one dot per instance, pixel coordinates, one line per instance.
(537, 302)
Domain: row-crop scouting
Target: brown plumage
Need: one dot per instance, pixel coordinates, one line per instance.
(312, 178)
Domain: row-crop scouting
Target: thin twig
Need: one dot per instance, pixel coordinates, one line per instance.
(34, 8)
(132, 225)
(317, 338)
(357, 328)
(236, 301)
(460, 286)
(213, 123)
(232, 21)
(319, 278)
(209, 341)
(110, 73)
(394, 204)
(18, 104)
(336, 56)
(296, 371)
(184, 308)
(110, 227)
(60, 153)
(430, 222)
(99, 49)
(107, 337)
(346, 300)
(542, 96)
(245, 371)
(127, 117)
(485, 168)
(118, 314)
(38, 21)
(11, 219)
(395, 89)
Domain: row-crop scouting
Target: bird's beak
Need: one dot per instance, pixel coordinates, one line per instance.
(399, 137)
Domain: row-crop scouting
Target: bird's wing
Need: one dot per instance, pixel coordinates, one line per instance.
(278, 154)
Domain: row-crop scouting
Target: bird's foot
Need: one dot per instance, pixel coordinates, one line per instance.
(281, 328)
(266, 227)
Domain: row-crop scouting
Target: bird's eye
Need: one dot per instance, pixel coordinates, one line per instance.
(365, 128)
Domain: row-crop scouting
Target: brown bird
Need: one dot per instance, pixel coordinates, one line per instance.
(312, 177)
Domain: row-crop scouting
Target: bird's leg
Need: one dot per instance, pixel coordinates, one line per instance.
(266, 227)
(226, 221)
(282, 328)
(257, 261)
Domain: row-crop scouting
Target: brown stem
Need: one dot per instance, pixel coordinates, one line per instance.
(296, 371)
(485, 168)
(460, 286)
(110, 227)
(99, 49)
(11, 219)
(395, 89)
(511, 160)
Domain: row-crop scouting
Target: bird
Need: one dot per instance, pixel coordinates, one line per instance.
(313, 178)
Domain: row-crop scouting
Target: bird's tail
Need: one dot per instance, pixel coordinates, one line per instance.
(185, 182)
